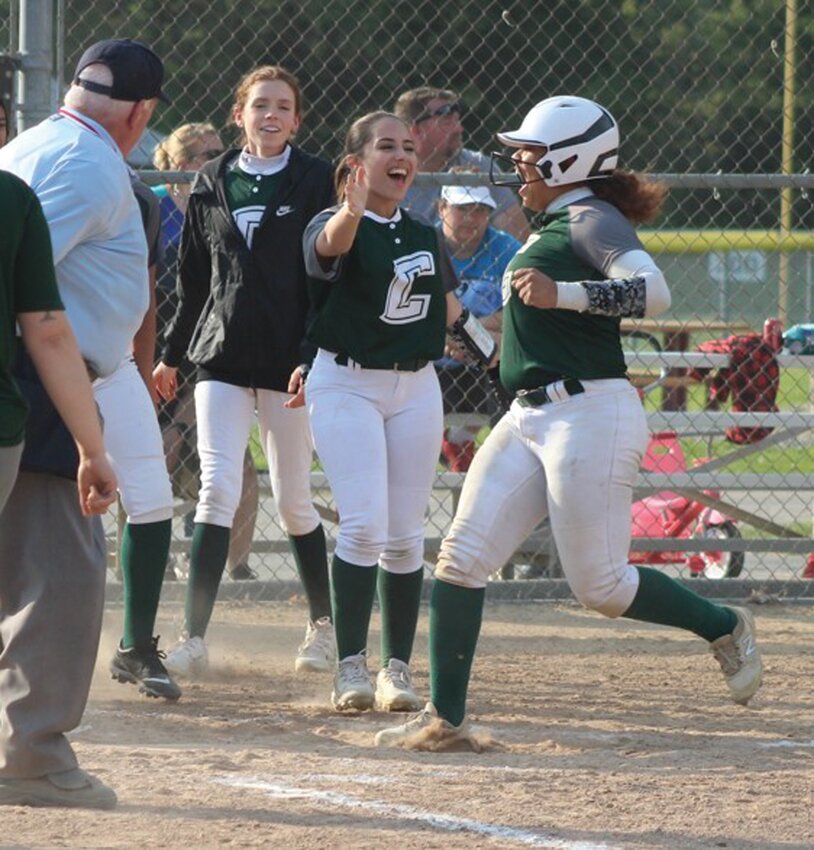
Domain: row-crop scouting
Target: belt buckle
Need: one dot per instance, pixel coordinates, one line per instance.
(528, 398)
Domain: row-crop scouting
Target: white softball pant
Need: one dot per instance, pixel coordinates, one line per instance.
(134, 444)
(574, 460)
(225, 414)
(377, 433)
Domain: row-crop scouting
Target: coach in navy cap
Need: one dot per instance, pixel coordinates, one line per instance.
(137, 72)
(52, 570)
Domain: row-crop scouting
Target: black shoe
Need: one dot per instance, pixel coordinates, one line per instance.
(242, 572)
(142, 666)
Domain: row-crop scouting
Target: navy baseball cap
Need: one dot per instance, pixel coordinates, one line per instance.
(137, 72)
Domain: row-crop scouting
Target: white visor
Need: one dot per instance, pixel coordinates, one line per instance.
(460, 195)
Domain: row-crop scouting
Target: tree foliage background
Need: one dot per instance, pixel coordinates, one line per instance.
(697, 85)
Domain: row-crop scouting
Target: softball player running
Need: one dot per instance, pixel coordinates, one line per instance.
(571, 444)
(241, 317)
(382, 291)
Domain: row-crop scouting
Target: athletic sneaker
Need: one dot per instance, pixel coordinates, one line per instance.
(353, 690)
(141, 665)
(317, 652)
(188, 658)
(394, 688)
(739, 657)
(397, 735)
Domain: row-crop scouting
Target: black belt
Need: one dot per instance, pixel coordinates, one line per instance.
(413, 365)
(534, 398)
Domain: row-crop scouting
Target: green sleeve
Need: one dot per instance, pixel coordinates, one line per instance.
(35, 283)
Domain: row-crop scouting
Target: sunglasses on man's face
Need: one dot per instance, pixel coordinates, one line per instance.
(440, 112)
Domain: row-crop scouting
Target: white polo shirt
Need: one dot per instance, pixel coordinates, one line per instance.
(100, 251)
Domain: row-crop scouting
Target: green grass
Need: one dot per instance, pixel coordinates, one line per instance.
(257, 451)
(794, 395)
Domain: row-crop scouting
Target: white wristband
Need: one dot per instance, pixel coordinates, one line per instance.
(571, 295)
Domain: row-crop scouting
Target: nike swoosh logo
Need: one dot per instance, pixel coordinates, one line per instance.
(284, 210)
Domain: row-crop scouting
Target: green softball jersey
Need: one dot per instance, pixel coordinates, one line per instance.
(384, 301)
(576, 243)
(28, 285)
(248, 195)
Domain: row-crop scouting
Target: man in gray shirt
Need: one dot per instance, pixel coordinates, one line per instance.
(433, 116)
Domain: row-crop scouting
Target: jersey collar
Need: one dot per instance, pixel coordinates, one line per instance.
(264, 165)
(578, 194)
(379, 219)
(89, 125)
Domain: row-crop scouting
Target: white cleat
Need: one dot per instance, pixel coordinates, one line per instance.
(739, 658)
(317, 652)
(353, 690)
(188, 658)
(430, 732)
(394, 688)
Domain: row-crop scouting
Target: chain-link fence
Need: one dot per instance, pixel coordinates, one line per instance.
(699, 87)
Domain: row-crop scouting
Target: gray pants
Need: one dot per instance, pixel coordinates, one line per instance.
(52, 584)
(9, 461)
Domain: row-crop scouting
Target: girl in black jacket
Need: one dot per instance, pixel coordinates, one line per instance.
(241, 320)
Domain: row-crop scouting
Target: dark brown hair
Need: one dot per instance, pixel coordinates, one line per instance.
(638, 199)
(359, 134)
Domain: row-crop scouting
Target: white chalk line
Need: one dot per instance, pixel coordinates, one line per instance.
(786, 743)
(449, 823)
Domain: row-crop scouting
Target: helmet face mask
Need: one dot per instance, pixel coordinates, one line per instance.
(581, 140)
(503, 170)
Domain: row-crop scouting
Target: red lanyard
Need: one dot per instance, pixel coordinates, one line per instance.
(64, 112)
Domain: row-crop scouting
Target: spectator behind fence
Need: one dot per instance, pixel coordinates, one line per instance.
(74, 161)
(480, 254)
(241, 319)
(188, 148)
(434, 118)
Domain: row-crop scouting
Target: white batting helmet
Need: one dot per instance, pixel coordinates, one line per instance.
(581, 136)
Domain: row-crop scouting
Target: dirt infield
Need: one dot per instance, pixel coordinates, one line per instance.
(614, 735)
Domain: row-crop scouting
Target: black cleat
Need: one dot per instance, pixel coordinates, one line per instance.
(142, 666)
(242, 572)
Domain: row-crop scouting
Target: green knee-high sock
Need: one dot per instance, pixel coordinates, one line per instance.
(210, 548)
(661, 599)
(312, 564)
(145, 548)
(455, 619)
(353, 589)
(399, 599)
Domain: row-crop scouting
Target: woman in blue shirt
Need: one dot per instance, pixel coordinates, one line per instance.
(479, 254)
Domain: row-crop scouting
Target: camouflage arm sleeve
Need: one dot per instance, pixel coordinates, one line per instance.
(620, 297)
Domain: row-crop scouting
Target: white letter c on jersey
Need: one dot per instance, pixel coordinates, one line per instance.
(402, 307)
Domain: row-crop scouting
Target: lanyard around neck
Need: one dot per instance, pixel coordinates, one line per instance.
(65, 114)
